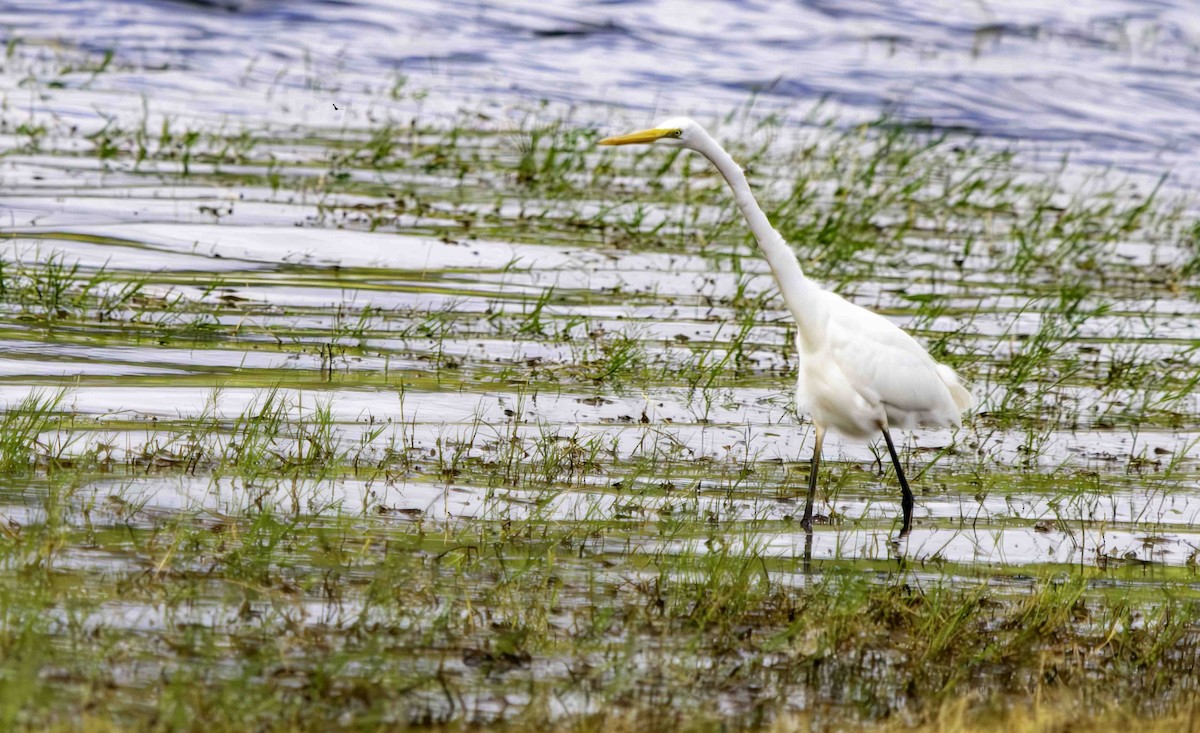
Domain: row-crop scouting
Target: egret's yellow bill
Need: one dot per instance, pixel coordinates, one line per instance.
(642, 136)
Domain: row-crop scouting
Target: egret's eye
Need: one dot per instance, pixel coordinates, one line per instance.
(677, 133)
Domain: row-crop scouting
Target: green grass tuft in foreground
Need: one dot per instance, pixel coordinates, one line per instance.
(293, 622)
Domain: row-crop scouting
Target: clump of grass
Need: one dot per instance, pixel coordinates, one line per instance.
(21, 426)
(52, 289)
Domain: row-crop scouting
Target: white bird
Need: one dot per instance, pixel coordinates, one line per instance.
(859, 373)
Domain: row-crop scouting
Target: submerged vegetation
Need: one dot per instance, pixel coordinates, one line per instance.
(458, 423)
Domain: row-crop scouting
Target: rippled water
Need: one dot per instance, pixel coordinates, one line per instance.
(1111, 82)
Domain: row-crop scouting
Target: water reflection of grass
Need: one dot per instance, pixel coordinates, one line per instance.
(530, 569)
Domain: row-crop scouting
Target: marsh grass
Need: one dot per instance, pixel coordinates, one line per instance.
(604, 538)
(22, 427)
(328, 617)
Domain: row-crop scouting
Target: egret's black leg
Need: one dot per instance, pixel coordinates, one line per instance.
(806, 523)
(906, 501)
(808, 553)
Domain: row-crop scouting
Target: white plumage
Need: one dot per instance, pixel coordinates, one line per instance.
(859, 373)
(896, 381)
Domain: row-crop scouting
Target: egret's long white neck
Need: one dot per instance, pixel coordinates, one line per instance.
(799, 293)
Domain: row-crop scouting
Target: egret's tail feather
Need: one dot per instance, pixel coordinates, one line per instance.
(962, 398)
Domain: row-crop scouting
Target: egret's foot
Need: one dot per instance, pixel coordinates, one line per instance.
(898, 550)
(807, 523)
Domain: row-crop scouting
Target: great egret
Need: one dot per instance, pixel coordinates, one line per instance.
(859, 373)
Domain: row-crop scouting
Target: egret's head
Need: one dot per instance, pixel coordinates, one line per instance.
(676, 132)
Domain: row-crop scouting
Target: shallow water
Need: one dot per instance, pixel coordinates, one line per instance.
(472, 405)
(1111, 82)
(407, 311)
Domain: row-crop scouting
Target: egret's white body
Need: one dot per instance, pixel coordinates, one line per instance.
(865, 374)
(860, 374)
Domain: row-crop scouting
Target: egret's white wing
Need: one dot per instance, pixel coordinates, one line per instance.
(887, 366)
